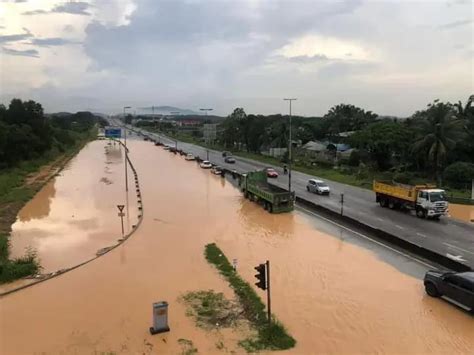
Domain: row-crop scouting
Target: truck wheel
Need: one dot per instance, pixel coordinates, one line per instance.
(307, 188)
(431, 289)
(391, 204)
(383, 202)
(420, 213)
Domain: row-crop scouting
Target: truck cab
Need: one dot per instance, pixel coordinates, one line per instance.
(431, 203)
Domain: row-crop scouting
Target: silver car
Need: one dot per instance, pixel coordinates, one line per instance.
(318, 187)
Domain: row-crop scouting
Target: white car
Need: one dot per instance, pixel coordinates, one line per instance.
(190, 157)
(206, 164)
(318, 187)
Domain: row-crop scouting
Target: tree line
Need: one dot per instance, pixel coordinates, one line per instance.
(436, 142)
(27, 133)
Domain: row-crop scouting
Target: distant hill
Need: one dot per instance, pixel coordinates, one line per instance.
(166, 110)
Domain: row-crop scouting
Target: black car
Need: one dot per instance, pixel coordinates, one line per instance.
(456, 287)
(225, 153)
(229, 159)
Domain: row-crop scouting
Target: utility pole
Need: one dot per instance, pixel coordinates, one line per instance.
(206, 110)
(175, 113)
(125, 142)
(290, 158)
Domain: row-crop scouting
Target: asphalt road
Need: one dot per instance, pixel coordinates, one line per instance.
(448, 237)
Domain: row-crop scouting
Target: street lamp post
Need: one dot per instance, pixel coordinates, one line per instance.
(206, 110)
(289, 148)
(125, 143)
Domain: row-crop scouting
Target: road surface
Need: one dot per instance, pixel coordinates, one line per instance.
(448, 237)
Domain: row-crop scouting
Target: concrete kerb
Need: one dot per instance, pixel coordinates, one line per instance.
(105, 251)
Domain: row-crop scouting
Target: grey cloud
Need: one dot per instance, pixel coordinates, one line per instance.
(35, 12)
(54, 41)
(78, 8)
(455, 24)
(305, 59)
(75, 8)
(68, 28)
(24, 53)
(15, 37)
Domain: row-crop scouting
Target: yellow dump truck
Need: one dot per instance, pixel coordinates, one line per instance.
(426, 200)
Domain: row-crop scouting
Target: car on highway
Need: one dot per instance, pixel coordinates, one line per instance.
(225, 153)
(217, 170)
(318, 187)
(271, 173)
(189, 157)
(166, 147)
(229, 159)
(455, 287)
(206, 164)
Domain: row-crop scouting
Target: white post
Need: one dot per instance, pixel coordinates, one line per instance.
(472, 190)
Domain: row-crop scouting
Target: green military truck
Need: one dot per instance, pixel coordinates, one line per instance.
(274, 199)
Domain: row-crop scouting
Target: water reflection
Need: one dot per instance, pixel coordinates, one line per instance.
(75, 214)
(261, 221)
(40, 206)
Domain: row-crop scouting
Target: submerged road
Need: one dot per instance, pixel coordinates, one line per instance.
(448, 237)
(336, 291)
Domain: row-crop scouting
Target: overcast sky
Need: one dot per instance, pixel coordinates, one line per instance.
(391, 57)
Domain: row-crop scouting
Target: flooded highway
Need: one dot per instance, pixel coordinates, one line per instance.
(335, 292)
(75, 213)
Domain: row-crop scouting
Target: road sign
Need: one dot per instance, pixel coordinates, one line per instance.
(113, 132)
(120, 207)
(121, 214)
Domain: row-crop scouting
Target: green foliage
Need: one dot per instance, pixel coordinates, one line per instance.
(11, 270)
(459, 175)
(354, 158)
(385, 141)
(26, 133)
(271, 337)
(344, 118)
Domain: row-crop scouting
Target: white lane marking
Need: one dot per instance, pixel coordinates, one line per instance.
(455, 257)
(368, 238)
(458, 248)
(421, 235)
(399, 227)
(380, 219)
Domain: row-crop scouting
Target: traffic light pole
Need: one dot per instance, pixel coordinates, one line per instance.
(269, 307)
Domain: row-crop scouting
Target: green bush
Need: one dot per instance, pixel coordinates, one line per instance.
(354, 158)
(459, 174)
(403, 177)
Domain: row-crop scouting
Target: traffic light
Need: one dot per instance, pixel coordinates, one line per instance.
(261, 276)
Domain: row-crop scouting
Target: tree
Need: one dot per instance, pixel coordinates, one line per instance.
(343, 118)
(439, 129)
(385, 141)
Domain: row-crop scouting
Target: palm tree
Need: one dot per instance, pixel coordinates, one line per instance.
(440, 130)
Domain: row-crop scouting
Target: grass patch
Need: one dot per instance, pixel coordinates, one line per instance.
(269, 337)
(26, 265)
(211, 309)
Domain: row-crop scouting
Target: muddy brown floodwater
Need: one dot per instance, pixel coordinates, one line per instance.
(462, 212)
(333, 296)
(75, 214)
